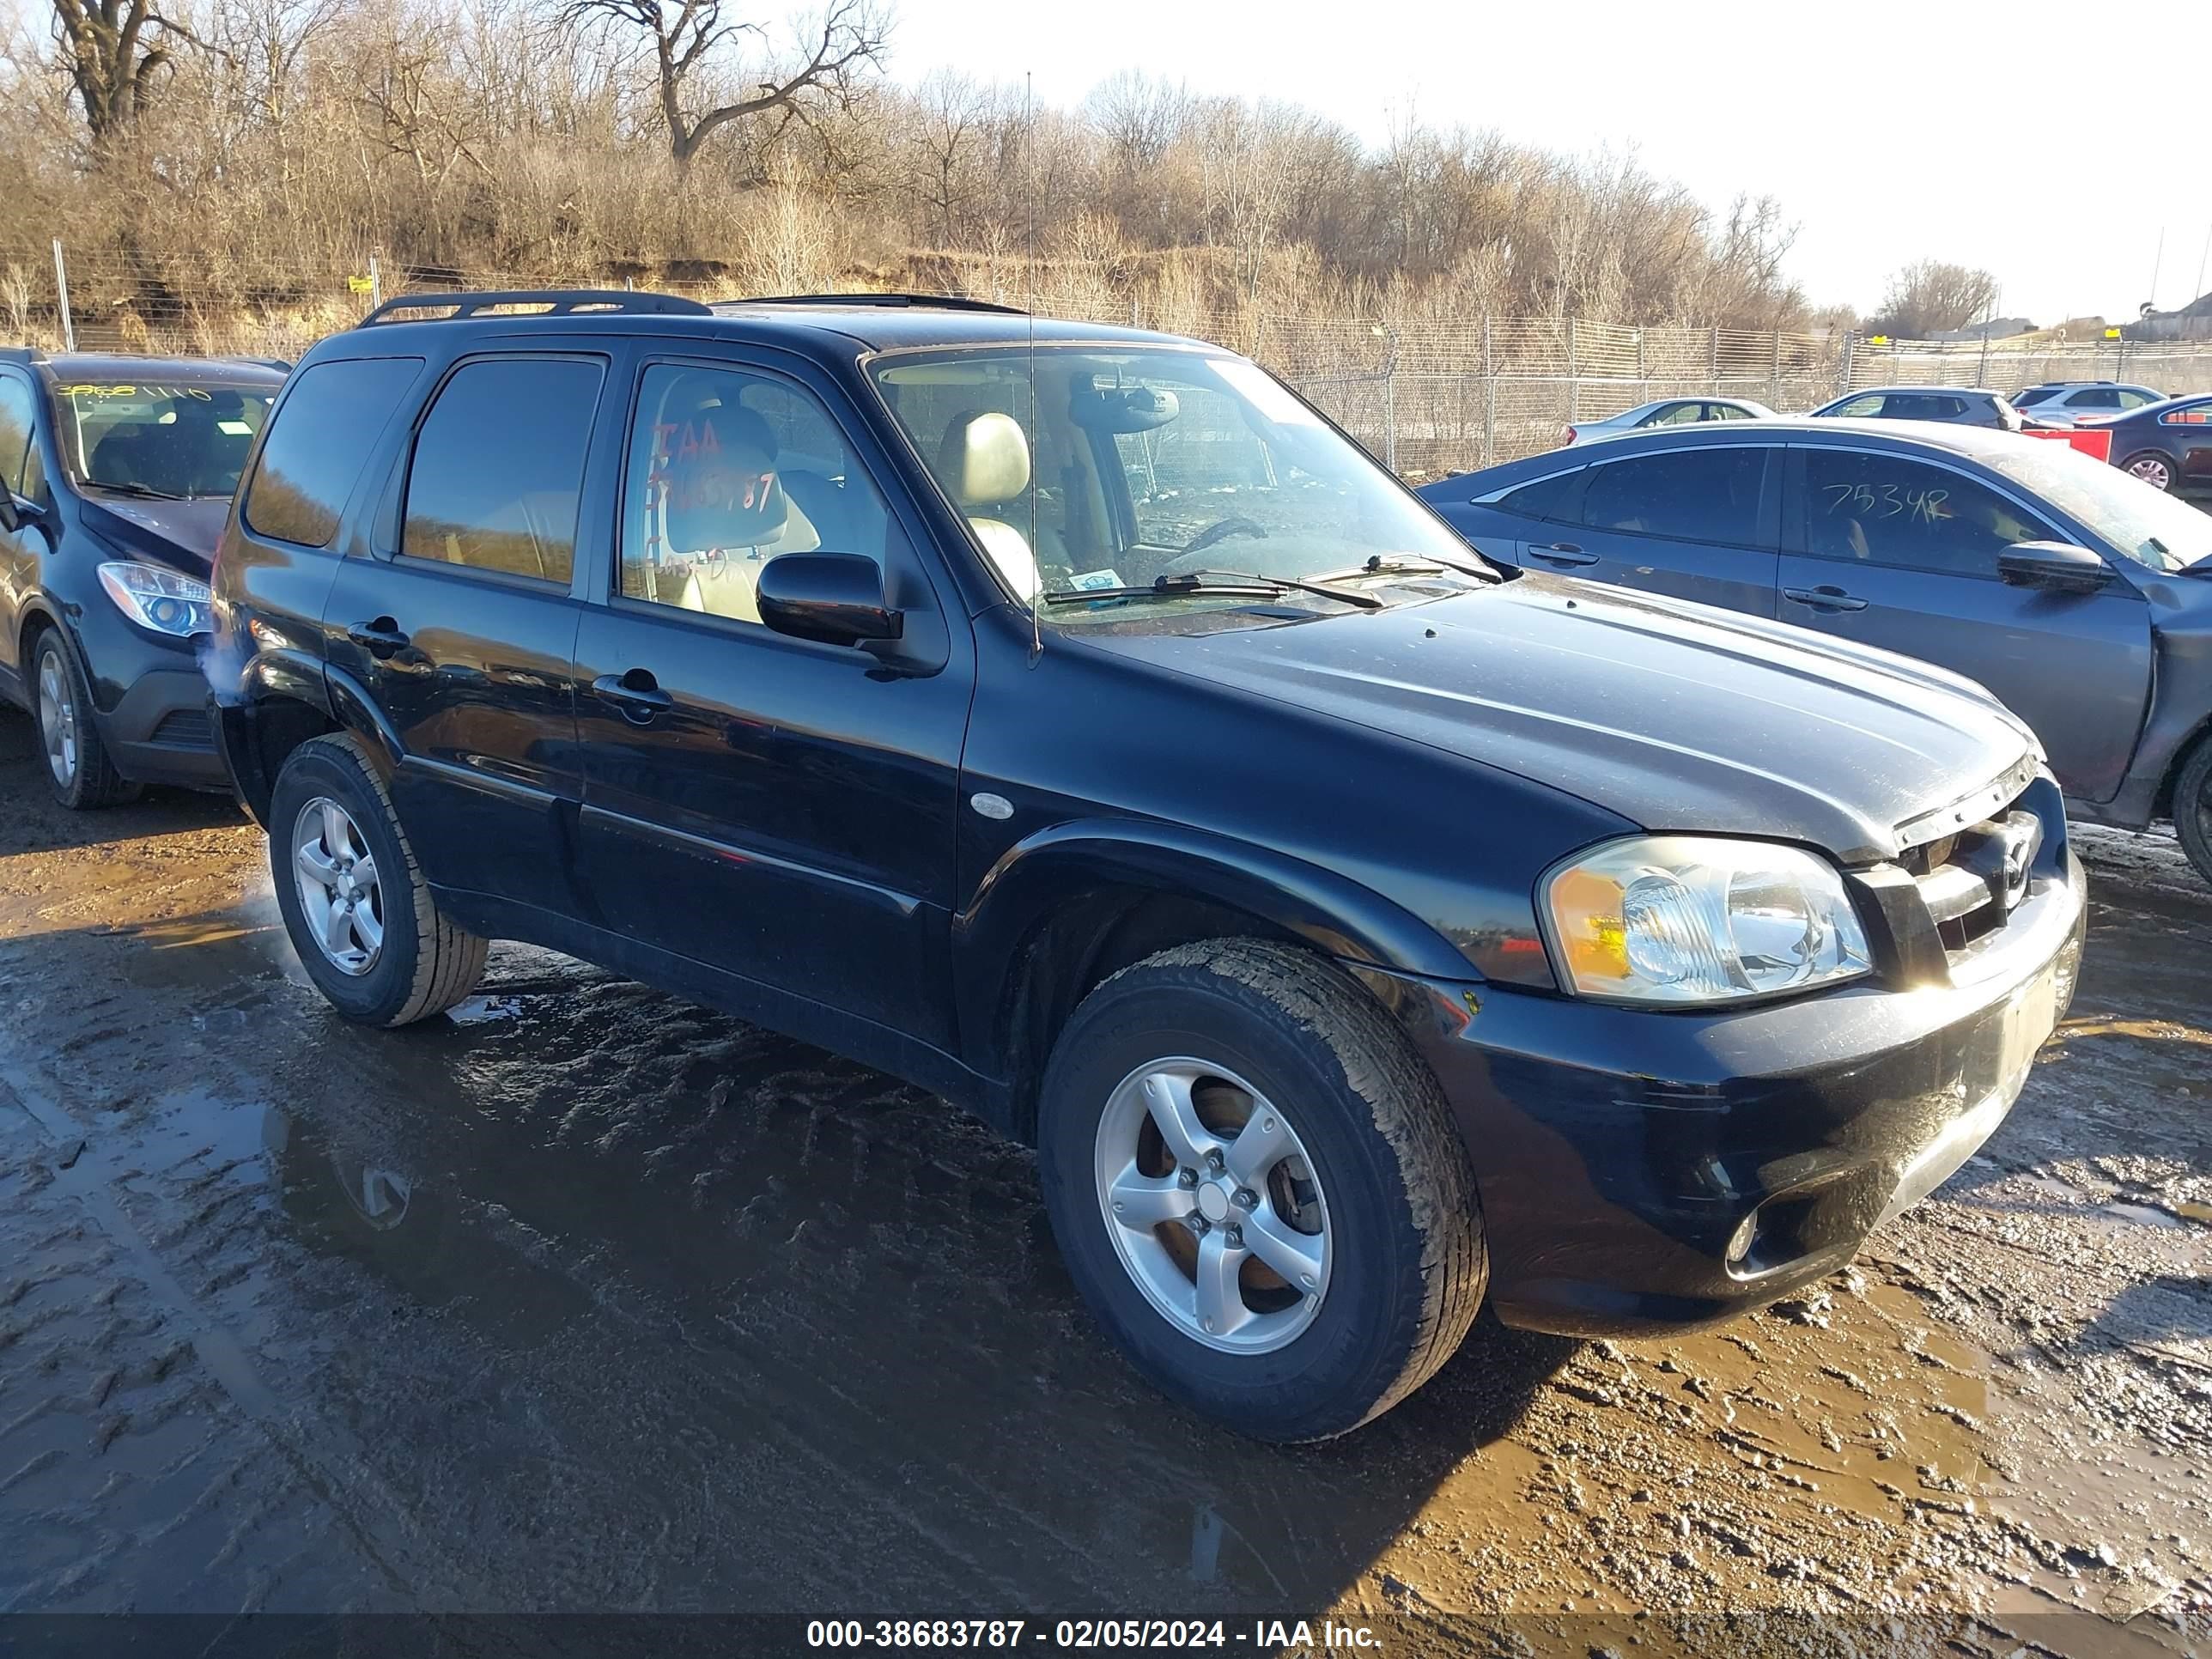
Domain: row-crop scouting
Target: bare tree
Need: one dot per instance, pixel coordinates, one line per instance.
(113, 51)
(838, 50)
(1931, 297)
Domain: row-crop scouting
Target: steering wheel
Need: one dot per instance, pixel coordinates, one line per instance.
(1219, 530)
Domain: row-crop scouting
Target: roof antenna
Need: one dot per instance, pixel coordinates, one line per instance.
(1029, 163)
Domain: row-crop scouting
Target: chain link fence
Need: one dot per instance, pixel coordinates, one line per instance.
(1427, 395)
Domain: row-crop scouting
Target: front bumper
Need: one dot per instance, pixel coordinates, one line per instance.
(150, 699)
(159, 731)
(1643, 1169)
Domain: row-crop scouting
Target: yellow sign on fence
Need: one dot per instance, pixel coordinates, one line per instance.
(360, 285)
(2111, 334)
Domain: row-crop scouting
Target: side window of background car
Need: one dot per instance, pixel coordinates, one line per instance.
(498, 470)
(2096, 398)
(1691, 496)
(1860, 408)
(727, 470)
(17, 420)
(1886, 510)
(314, 456)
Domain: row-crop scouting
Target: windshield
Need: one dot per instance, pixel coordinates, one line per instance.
(2147, 524)
(1135, 465)
(184, 438)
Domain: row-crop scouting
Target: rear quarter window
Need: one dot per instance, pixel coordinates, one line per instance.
(1546, 498)
(318, 442)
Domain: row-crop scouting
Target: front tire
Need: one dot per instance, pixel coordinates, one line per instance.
(78, 769)
(1258, 1188)
(2154, 467)
(2192, 806)
(354, 900)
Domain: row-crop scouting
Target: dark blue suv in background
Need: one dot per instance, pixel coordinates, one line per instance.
(1070, 721)
(116, 474)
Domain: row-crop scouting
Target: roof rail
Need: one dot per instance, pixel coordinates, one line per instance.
(23, 354)
(550, 302)
(924, 301)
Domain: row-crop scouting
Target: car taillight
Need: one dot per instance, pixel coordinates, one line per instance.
(1571, 434)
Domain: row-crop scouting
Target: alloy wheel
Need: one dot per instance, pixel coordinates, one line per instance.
(341, 896)
(2153, 470)
(1213, 1206)
(58, 718)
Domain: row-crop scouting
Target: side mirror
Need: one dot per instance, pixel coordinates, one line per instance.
(17, 513)
(2057, 566)
(837, 598)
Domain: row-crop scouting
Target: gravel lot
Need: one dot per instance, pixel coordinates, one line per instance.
(593, 1300)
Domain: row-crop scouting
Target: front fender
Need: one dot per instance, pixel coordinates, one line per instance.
(1039, 875)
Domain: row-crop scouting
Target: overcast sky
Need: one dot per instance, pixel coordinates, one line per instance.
(2024, 136)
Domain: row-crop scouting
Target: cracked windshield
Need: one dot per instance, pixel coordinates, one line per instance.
(1113, 479)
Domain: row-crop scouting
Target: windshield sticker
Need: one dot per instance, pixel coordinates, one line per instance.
(233, 428)
(1094, 578)
(99, 389)
(1264, 392)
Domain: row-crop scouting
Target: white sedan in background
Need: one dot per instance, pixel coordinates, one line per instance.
(1668, 411)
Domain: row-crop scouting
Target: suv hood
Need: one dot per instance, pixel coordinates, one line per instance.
(180, 534)
(1677, 716)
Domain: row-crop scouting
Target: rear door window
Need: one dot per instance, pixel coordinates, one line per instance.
(498, 471)
(1888, 510)
(314, 453)
(1691, 496)
(2100, 397)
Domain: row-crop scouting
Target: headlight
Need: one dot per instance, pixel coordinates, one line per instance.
(159, 598)
(1682, 919)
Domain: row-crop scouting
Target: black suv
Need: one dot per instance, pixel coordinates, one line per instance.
(115, 475)
(1072, 721)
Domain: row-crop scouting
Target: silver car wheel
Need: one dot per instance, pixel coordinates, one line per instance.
(1213, 1205)
(2153, 470)
(58, 718)
(341, 898)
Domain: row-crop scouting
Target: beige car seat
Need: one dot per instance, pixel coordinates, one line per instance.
(984, 462)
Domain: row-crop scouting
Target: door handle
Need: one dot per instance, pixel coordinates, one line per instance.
(380, 639)
(1825, 598)
(637, 694)
(1562, 553)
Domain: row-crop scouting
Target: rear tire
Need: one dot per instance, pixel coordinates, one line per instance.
(78, 771)
(376, 946)
(1365, 1184)
(2154, 467)
(2192, 806)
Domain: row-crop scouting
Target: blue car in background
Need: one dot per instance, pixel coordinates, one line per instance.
(2078, 594)
(2167, 445)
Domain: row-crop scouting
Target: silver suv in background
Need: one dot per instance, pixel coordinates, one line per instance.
(2061, 403)
(1955, 406)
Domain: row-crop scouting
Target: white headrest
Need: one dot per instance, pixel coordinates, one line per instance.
(984, 458)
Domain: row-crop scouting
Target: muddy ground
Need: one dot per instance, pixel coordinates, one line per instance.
(591, 1300)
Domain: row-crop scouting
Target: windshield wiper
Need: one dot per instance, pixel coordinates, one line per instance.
(144, 491)
(1404, 565)
(1201, 584)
